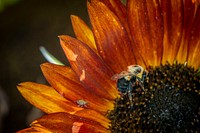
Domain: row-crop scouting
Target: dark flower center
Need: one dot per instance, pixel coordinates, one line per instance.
(169, 102)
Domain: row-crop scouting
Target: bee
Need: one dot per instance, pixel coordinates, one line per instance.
(127, 80)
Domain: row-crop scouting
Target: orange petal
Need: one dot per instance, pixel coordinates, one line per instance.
(194, 42)
(119, 9)
(173, 24)
(46, 98)
(111, 37)
(66, 123)
(95, 116)
(34, 130)
(28, 130)
(92, 71)
(116, 7)
(83, 32)
(189, 13)
(65, 81)
(145, 22)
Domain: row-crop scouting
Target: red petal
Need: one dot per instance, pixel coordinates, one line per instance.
(189, 13)
(95, 116)
(111, 37)
(194, 42)
(173, 24)
(119, 9)
(145, 22)
(92, 71)
(66, 123)
(64, 80)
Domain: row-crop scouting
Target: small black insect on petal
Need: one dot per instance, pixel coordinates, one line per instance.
(168, 100)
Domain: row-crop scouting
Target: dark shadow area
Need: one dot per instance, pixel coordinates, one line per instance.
(23, 28)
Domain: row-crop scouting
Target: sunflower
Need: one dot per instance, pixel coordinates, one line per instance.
(152, 49)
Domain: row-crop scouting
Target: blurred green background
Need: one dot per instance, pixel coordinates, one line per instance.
(6, 3)
(24, 26)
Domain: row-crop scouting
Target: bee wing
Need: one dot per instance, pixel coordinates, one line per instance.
(119, 76)
(116, 77)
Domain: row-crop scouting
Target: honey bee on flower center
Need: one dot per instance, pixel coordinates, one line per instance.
(127, 80)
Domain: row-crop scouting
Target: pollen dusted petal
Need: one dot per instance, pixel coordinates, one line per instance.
(173, 24)
(46, 98)
(66, 123)
(66, 82)
(83, 32)
(112, 40)
(146, 26)
(189, 13)
(97, 74)
(194, 42)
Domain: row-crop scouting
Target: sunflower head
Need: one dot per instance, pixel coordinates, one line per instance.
(149, 48)
(169, 102)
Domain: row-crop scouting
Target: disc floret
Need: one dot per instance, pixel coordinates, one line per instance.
(170, 102)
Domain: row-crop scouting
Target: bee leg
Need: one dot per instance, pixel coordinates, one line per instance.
(140, 83)
(130, 88)
(144, 75)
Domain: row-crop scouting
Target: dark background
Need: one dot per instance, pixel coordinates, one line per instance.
(23, 28)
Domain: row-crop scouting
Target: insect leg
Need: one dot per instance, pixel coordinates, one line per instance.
(130, 88)
(144, 75)
(140, 82)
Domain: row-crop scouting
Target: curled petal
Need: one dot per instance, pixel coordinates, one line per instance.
(91, 70)
(46, 98)
(66, 82)
(146, 26)
(83, 32)
(66, 123)
(112, 40)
